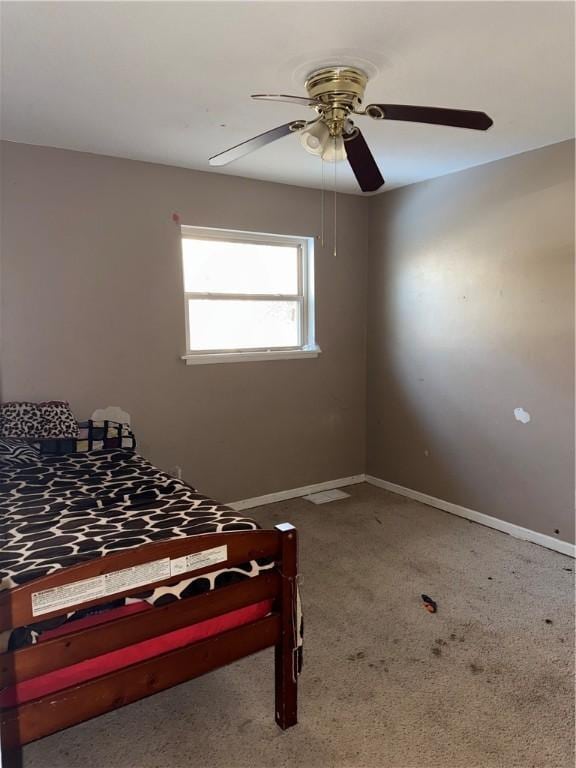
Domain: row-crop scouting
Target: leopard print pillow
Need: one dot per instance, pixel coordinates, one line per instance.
(20, 420)
(51, 419)
(57, 420)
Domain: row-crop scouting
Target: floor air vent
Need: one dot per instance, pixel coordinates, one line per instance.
(323, 497)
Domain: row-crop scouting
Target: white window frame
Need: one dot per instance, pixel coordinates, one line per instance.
(306, 347)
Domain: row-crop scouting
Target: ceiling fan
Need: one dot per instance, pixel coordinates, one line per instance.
(336, 93)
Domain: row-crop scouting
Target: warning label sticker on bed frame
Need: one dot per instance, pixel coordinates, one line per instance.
(83, 591)
(99, 586)
(199, 560)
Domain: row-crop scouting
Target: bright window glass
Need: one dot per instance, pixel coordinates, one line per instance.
(213, 266)
(246, 292)
(216, 325)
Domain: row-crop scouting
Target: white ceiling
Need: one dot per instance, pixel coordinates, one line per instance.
(169, 82)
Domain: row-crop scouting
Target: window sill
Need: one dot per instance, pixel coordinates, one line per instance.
(250, 357)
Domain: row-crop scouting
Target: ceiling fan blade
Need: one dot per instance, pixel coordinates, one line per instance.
(363, 164)
(304, 100)
(458, 118)
(256, 142)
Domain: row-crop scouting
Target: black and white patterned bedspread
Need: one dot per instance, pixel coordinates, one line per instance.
(69, 509)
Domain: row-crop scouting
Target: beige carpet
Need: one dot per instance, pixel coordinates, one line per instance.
(485, 682)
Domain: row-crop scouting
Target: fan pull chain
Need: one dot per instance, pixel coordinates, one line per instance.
(322, 216)
(335, 196)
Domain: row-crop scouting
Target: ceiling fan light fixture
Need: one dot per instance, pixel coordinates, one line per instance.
(335, 150)
(336, 93)
(315, 138)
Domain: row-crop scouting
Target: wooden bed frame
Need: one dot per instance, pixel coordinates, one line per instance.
(35, 719)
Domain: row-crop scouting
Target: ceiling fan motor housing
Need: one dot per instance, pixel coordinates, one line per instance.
(339, 91)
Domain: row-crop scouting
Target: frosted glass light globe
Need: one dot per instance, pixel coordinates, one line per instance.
(315, 138)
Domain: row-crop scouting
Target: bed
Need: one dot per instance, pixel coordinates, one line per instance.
(118, 581)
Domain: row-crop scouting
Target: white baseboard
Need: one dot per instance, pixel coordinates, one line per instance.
(294, 493)
(517, 531)
(564, 547)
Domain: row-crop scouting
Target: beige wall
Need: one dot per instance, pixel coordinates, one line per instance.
(471, 315)
(92, 311)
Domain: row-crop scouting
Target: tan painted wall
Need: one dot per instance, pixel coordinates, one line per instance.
(92, 311)
(471, 315)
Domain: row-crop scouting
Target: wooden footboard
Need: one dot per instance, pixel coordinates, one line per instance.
(121, 575)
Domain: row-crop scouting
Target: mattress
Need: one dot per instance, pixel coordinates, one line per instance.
(68, 509)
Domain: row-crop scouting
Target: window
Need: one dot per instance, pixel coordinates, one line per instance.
(248, 296)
